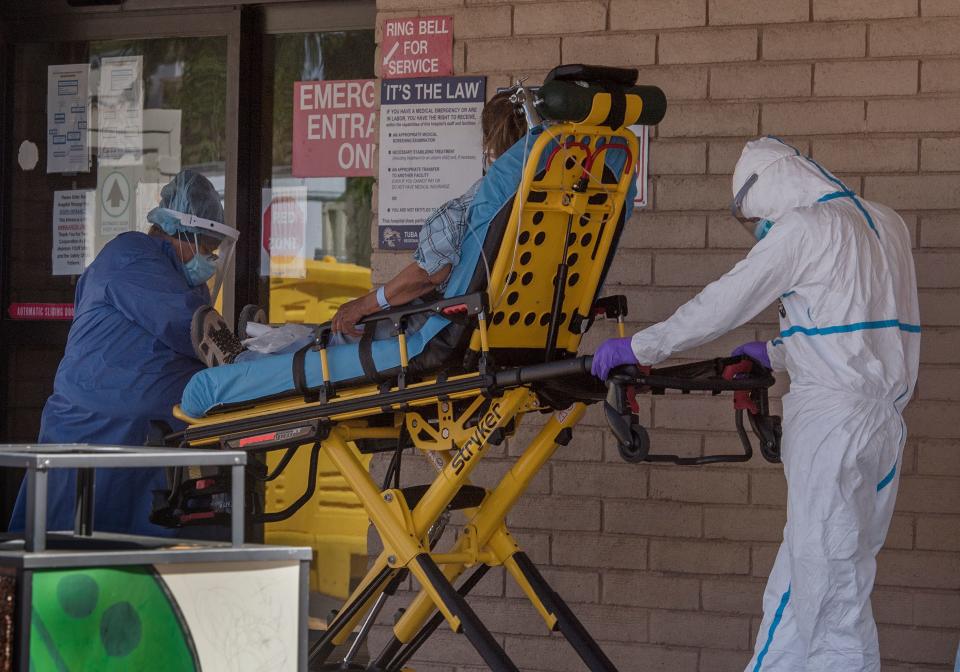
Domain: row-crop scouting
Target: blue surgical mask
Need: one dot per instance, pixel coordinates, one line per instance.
(762, 228)
(198, 270)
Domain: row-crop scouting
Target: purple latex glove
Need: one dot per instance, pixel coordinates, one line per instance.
(756, 350)
(611, 353)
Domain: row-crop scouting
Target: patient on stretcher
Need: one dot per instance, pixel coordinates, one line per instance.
(437, 342)
(438, 252)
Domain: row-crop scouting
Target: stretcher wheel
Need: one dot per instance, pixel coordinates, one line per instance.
(639, 446)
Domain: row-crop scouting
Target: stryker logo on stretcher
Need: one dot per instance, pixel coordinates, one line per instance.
(476, 443)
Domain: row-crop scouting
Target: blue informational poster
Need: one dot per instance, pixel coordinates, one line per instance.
(430, 150)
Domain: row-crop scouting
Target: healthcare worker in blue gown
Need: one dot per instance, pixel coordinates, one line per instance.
(129, 353)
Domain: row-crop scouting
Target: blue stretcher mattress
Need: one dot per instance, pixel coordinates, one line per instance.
(272, 376)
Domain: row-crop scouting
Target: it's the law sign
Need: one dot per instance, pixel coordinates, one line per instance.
(417, 47)
(333, 128)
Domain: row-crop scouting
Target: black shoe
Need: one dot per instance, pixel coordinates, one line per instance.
(250, 313)
(213, 342)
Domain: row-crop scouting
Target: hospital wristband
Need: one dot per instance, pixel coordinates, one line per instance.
(382, 298)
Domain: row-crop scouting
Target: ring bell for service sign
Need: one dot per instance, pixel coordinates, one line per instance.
(419, 46)
(333, 128)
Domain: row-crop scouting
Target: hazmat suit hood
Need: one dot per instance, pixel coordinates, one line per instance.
(785, 179)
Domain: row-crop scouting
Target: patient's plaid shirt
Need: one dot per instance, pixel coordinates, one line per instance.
(442, 234)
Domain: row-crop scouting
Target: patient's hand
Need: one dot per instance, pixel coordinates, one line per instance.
(349, 313)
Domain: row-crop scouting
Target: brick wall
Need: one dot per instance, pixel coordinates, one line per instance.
(666, 564)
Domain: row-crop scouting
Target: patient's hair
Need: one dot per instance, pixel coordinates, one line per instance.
(502, 124)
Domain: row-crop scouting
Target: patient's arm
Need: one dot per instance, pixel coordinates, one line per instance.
(410, 283)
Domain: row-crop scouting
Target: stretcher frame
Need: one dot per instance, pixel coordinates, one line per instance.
(455, 419)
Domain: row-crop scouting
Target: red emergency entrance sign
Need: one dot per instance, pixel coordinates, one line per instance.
(333, 125)
(420, 46)
(41, 311)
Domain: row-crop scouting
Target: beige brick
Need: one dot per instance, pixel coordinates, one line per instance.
(592, 550)
(938, 610)
(914, 192)
(655, 658)
(658, 231)
(515, 616)
(761, 559)
(932, 114)
(917, 36)
(740, 82)
(609, 480)
(534, 544)
(573, 585)
(614, 623)
(940, 458)
(941, 231)
(586, 445)
(939, 533)
(708, 46)
(658, 519)
(679, 82)
(471, 22)
(900, 534)
(866, 78)
(925, 494)
(938, 154)
(678, 158)
(892, 607)
(561, 513)
(552, 18)
(709, 119)
(659, 304)
(938, 269)
(706, 485)
(873, 155)
(724, 155)
(699, 557)
(692, 629)
(505, 54)
(917, 569)
(649, 590)
(940, 76)
(939, 8)
(938, 647)
(701, 192)
(939, 346)
(684, 444)
(695, 411)
(732, 12)
(832, 10)
(489, 472)
(815, 40)
(939, 384)
(629, 267)
(733, 596)
(619, 50)
(397, 5)
(939, 308)
(768, 488)
(743, 524)
(693, 270)
(653, 14)
(716, 660)
(813, 118)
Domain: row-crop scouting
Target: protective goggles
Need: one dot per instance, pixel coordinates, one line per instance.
(207, 228)
(737, 202)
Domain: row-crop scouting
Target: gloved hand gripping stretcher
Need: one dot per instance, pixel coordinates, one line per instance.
(502, 343)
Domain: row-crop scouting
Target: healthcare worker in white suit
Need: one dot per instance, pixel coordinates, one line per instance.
(842, 270)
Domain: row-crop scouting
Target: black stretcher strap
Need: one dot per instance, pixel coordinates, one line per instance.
(618, 106)
(365, 352)
(300, 370)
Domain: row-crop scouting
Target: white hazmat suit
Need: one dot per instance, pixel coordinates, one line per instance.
(849, 319)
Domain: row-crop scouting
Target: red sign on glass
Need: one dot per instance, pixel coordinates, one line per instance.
(41, 311)
(420, 46)
(333, 125)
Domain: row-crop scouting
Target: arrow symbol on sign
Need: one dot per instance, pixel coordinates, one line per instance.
(390, 53)
(116, 194)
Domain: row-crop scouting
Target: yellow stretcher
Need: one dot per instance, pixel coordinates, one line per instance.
(520, 357)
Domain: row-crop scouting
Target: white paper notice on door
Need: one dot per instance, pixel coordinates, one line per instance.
(120, 111)
(68, 109)
(74, 221)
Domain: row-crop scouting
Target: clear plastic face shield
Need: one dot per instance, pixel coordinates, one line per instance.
(749, 223)
(213, 245)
